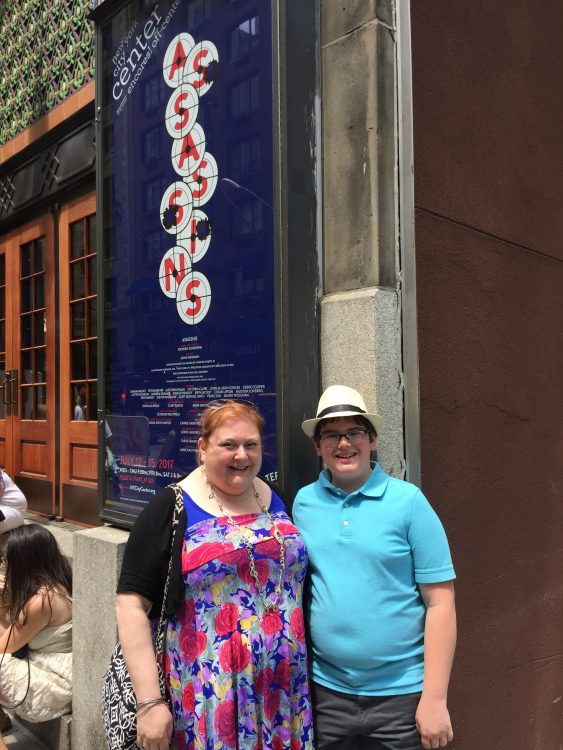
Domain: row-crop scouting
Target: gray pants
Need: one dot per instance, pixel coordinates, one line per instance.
(360, 722)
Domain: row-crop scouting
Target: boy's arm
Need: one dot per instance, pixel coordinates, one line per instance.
(432, 716)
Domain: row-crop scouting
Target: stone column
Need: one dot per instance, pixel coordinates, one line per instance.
(96, 565)
(361, 347)
(360, 312)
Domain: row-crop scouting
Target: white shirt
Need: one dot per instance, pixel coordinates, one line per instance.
(12, 496)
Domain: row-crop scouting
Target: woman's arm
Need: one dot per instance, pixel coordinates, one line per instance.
(147, 552)
(154, 727)
(38, 616)
(432, 716)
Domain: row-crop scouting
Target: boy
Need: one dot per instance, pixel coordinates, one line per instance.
(381, 610)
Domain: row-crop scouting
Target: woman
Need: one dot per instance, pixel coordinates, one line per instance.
(235, 658)
(37, 612)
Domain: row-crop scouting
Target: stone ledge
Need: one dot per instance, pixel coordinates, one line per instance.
(62, 531)
(54, 734)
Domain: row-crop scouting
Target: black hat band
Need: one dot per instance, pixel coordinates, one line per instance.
(340, 407)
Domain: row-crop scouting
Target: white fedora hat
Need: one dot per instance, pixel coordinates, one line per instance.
(341, 401)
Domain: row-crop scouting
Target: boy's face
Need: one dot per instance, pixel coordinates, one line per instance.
(347, 460)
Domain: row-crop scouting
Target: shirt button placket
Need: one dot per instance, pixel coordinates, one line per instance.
(345, 517)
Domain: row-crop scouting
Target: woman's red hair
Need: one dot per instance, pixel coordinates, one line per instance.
(215, 416)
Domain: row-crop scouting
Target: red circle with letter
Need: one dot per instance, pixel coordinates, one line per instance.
(195, 238)
(182, 110)
(174, 65)
(203, 180)
(193, 298)
(174, 266)
(197, 64)
(176, 207)
(188, 152)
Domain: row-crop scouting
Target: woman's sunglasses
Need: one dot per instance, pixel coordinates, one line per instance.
(218, 402)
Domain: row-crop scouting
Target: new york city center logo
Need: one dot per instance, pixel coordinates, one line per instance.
(189, 69)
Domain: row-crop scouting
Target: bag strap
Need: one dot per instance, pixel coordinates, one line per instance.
(178, 508)
(15, 705)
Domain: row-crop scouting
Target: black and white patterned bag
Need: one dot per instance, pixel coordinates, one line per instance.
(119, 705)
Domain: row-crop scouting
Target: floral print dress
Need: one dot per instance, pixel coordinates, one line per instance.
(237, 674)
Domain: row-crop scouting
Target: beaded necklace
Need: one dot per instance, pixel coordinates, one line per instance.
(278, 536)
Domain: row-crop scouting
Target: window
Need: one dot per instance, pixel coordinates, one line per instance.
(245, 96)
(33, 329)
(245, 287)
(246, 156)
(248, 218)
(152, 194)
(155, 92)
(151, 144)
(83, 320)
(156, 243)
(198, 12)
(244, 38)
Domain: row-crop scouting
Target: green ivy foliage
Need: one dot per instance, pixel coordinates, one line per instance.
(47, 54)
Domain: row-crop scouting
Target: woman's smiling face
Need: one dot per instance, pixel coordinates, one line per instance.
(232, 455)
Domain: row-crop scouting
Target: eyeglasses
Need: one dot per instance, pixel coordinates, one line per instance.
(218, 402)
(352, 436)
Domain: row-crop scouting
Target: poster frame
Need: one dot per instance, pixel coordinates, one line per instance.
(297, 222)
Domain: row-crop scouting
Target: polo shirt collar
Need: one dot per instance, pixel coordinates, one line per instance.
(374, 486)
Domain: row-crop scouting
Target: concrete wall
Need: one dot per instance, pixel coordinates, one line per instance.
(488, 108)
(360, 312)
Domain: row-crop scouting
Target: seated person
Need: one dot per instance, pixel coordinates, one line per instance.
(13, 504)
(37, 606)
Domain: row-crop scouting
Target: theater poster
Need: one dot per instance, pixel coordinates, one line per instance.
(186, 188)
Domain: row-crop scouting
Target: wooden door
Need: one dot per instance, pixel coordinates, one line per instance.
(48, 361)
(78, 361)
(27, 314)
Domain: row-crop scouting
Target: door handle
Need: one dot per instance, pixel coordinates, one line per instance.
(6, 392)
(14, 393)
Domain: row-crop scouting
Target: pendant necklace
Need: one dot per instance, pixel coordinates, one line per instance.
(278, 536)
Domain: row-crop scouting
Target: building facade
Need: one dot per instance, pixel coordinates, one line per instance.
(487, 150)
(48, 338)
(417, 258)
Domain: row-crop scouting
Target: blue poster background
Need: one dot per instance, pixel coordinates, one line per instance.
(162, 368)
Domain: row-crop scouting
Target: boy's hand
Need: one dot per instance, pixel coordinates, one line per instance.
(433, 723)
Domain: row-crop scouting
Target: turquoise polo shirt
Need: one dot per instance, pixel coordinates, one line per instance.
(367, 553)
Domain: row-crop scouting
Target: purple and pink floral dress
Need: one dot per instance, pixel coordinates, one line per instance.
(237, 674)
